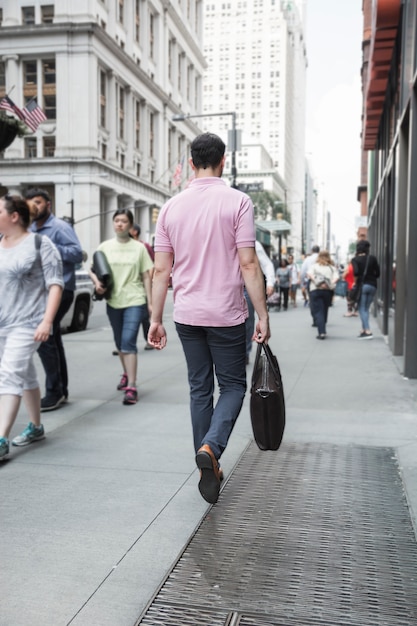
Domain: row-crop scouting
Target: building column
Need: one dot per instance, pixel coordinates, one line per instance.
(410, 338)
(397, 330)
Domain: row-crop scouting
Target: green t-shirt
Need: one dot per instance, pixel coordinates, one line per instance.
(128, 261)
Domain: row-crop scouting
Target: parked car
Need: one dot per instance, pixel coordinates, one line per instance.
(81, 308)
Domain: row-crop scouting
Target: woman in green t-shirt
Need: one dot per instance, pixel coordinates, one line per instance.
(130, 297)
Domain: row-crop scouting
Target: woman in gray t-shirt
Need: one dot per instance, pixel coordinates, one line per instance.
(31, 286)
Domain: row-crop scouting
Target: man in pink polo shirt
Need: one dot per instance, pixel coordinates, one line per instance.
(208, 231)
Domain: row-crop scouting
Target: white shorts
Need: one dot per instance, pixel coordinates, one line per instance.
(17, 370)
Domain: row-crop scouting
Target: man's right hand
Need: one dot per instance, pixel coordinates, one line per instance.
(157, 336)
(262, 331)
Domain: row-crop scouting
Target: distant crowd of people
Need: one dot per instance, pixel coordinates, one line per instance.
(207, 226)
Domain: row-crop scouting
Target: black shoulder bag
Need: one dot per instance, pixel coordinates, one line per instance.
(267, 404)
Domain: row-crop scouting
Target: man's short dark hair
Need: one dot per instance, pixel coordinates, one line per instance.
(363, 246)
(34, 193)
(315, 249)
(207, 150)
(137, 229)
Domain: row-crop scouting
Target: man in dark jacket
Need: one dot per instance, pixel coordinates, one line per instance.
(52, 352)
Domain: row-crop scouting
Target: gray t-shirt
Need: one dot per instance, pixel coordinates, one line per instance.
(26, 273)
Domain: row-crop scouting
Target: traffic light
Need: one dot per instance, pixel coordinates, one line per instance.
(155, 213)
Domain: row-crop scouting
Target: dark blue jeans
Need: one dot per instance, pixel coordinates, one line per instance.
(367, 297)
(219, 350)
(320, 301)
(52, 353)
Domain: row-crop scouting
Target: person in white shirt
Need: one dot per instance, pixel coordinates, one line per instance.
(268, 271)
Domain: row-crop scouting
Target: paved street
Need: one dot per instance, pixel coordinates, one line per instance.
(93, 517)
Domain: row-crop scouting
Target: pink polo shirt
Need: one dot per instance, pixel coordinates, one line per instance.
(203, 226)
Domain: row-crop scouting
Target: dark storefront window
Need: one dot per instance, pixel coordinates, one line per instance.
(408, 52)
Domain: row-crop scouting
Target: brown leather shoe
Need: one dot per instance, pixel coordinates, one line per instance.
(209, 484)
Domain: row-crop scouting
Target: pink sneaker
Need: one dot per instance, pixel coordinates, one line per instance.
(122, 386)
(131, 395)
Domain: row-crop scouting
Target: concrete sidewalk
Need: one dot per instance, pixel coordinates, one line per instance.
(94, 517)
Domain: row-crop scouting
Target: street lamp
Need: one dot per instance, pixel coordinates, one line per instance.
(232, 139)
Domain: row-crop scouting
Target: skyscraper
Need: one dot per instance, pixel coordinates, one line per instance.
(256, 66)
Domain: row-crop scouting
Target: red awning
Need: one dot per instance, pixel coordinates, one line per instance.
(385, 24)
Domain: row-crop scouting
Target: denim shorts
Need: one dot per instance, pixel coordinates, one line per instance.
(125, 324)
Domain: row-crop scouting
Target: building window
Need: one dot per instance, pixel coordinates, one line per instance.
(48, 71)
(30, 76)
(151, 134)
(170, 52)
(1, 17)
(104, 151)
(30, 85)
(121, 11)
(49, 146)
(30, 148)
(122, 161)
(49, 107)
(121, 111)
(103, 86)
(189, 76)
(179, 70)
(138, 169)
(151, 35)
(47, 13)
(28, 15)
(137, 125)
(137, 20)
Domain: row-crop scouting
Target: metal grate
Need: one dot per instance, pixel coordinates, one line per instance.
(312, 534)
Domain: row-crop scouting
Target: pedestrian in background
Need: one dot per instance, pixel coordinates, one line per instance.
(130, 299)
(366, 271)
(304, 279)
(349, 277)
(283, 278)
(323, 278)
(294, 279)
(267, 268)
(135, 234)
(31, 283)
(208, 231)
(52, 352)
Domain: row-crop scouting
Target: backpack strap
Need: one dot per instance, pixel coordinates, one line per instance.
(38, 241)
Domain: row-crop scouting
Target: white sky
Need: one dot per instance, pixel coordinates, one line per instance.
(334, 105)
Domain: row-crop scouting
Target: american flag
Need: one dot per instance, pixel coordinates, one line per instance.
(7, 104)
(176, 179)
(33, 115)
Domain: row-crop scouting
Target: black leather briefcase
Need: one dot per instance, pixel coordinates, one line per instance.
(102, 270)
(267, 403)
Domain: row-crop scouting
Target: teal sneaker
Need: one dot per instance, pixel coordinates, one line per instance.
(30, 434)
(4, 448)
